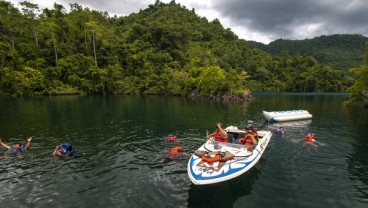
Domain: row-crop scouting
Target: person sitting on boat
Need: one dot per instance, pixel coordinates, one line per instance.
(309, 137)
(279, 131)
(18, 148)
(248, 140)
(64, 150)
(220, 135)
(254, 133)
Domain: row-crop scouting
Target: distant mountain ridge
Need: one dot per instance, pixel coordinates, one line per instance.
(341, 51)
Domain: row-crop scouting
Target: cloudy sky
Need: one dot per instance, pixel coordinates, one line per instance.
(258, 20)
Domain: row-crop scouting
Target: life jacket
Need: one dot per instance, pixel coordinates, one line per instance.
(219, 137)
(171, 138)
(211, 159)
(68, 149)
(278, 131)
(19, 150)
(175, 151)
(215, 156)
(246, 139)
(255, 135)
(309, 139)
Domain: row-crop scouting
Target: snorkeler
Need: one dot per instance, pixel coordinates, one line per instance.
(64, 150)
(170, 138)
(17, 148)
(309, 137)
(279, 131)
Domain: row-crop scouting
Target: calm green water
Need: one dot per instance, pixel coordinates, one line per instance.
(121, 140)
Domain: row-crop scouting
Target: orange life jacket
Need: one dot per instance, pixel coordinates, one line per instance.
(249, 140)
(211, 159)
(246, 139)
(171, 138)
(309, 139)
(219, 137)
(255, 135)
(175, 151)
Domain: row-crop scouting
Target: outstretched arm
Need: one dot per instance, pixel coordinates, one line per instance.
(223, 132)
(28, 145)
(56, 148)
(4, 145)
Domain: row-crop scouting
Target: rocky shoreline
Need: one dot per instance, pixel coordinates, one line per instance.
(225, 98)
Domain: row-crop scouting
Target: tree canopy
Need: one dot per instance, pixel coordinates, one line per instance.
(340, 51)
(163, 49)
(359, 90)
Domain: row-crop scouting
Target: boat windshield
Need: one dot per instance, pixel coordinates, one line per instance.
(216, 145)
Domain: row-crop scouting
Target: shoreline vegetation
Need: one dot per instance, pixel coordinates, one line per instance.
(224, 98)
(165, 49)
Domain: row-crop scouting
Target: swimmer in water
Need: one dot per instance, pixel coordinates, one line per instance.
(17, 148)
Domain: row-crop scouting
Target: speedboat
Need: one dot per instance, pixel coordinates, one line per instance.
(216, 162)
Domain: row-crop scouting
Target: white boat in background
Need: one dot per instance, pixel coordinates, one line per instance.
(235, 159)
(289, 115)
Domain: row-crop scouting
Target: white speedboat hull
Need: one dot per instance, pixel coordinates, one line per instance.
(201, 172)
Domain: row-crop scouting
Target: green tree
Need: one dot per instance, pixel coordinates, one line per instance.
(359, 89)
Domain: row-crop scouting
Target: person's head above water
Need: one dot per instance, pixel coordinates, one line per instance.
(17, 145)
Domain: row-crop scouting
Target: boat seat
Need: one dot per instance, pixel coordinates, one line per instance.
(230, 138)
(241, 135)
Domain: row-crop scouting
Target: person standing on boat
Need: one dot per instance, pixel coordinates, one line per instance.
(248, 140)
(17, 148)
(220, 135)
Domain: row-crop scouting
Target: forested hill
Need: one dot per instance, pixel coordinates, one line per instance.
(339, 51)
(163, 49)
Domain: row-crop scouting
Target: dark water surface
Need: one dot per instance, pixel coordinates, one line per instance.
(121, 140)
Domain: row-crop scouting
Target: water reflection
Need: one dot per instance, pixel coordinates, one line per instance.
(358, 159)
(223, 194)
(121, 140)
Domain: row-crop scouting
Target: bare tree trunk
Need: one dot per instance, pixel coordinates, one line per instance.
(85, 36)
(13, 43)
(35, 32)
(56, 56)
(94, 46)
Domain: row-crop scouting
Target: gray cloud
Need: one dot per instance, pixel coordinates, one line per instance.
(118, 7)
(260, 20)
(297, 19)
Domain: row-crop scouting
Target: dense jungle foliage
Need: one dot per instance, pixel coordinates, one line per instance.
(163, 49)
(359, 90)
(341, 51)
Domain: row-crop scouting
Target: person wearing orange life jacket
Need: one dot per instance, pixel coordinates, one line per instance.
(171, 138)
(248, 140)
(173, 153)
(309, 137)
(220, 135)
(254, 133)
